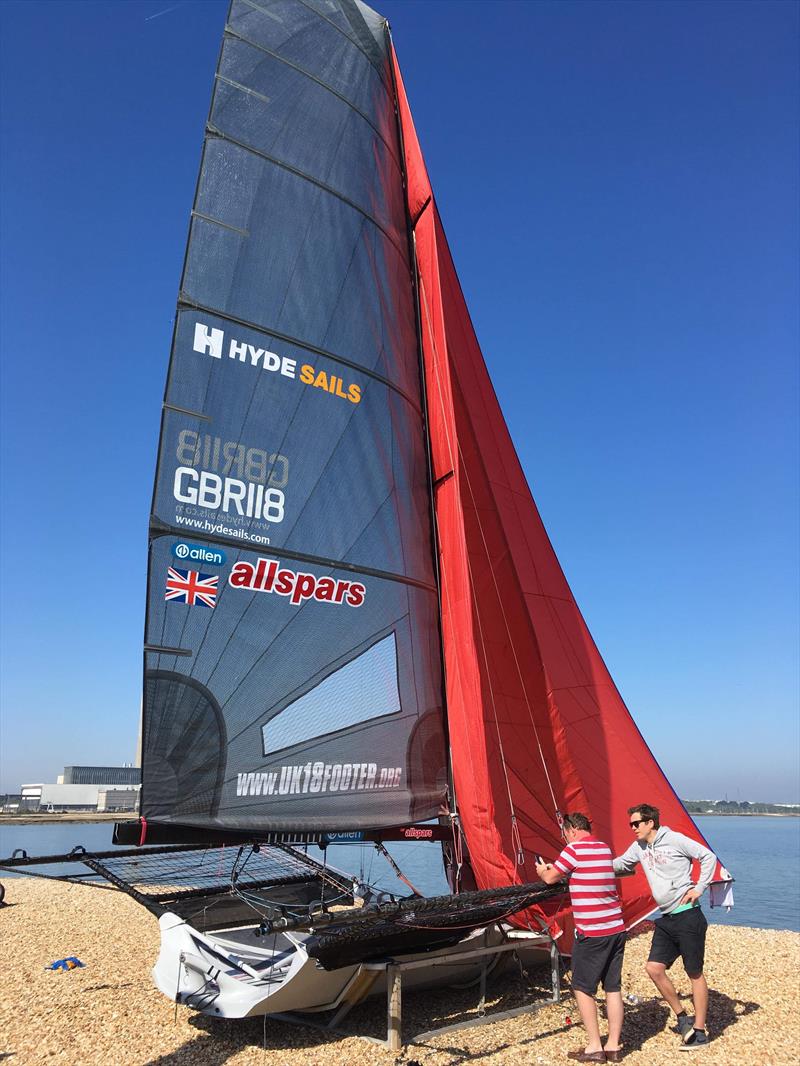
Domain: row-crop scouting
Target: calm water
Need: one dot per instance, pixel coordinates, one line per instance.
(762, 853)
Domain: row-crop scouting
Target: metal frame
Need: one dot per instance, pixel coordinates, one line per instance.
(394, 970)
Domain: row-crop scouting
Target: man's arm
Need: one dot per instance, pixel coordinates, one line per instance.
(708, 863)
(559, 870)
(625, 864)
(549, 874)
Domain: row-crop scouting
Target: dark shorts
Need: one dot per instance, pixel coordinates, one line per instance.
(596, 959)
(681, 934)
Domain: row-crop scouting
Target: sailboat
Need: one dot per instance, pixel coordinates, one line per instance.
(356, 625)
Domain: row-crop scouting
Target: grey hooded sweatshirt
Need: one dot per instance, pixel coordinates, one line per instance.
(667, 863)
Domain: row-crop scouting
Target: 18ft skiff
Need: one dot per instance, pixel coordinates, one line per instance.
(356, 623)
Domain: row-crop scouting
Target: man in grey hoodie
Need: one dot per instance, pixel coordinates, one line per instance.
(666, 859)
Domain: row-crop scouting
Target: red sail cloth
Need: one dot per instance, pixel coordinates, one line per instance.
(536, 723)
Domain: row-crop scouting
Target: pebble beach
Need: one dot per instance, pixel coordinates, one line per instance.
(108, 1011)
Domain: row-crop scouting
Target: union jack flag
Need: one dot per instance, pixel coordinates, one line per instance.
(188, 586)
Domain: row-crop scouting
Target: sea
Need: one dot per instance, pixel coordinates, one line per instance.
(761, 852)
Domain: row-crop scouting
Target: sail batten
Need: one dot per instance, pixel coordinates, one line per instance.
(186, 304)
(339, 564)
(232, 34)
(217, 135)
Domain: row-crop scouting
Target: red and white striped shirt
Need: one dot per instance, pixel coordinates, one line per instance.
(592, 887)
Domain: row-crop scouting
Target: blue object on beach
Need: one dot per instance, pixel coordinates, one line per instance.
(70, 963)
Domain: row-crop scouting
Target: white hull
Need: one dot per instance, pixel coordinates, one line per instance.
(231, 973)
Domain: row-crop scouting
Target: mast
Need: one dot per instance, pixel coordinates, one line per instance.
(412, 252)
(454, 848)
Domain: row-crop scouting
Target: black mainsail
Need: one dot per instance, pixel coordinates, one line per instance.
(292, 650)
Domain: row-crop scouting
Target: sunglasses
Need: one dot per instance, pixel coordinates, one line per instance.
(635, 825)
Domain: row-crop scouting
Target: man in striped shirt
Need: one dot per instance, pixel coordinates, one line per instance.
(599, 933)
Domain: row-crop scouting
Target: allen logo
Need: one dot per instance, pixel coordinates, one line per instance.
(198, 553)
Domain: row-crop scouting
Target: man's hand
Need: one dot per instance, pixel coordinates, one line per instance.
(548, 873)
(691, 896)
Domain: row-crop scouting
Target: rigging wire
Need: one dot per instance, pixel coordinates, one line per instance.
(381, 848)
(258, 903)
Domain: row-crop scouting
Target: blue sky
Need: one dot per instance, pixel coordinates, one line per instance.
(618, 182)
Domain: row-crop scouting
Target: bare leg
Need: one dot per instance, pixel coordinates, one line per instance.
(615, 1013)
(657, 972)
(588, 1010)
(700, 1000)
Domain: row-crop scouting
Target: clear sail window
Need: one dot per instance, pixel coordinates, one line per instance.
(363, 689)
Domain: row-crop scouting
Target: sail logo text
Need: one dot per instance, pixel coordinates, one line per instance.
(231, 458)
(318, 777)
(212, 342)
(198, 553)
(208, 490)
(267, 575)
(220, 527)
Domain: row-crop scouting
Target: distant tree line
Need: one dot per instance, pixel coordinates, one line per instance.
(732, 807)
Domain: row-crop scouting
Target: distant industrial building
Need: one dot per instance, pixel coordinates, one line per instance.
(43, 797)
(86, 788)
(101, 775)
(118, 799)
